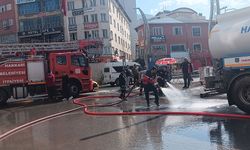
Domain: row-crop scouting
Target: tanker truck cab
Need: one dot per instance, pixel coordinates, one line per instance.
(75, 65)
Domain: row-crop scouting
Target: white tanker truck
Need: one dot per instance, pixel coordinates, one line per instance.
(229, 43)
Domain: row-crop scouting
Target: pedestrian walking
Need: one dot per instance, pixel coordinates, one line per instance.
(187, 70)
(149, 81)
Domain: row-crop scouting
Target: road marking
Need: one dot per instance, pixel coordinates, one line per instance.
(36, 122)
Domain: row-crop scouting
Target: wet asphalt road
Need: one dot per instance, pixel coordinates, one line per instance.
(77, 131)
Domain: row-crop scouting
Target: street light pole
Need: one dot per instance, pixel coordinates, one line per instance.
(146, 37)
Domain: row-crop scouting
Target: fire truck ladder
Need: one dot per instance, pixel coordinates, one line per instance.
(13, 49)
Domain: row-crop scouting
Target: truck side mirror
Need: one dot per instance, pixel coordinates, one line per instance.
(85, 72)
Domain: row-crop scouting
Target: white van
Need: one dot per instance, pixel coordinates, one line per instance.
(112, 70)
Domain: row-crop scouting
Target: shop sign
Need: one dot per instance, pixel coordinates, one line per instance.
(24, 1)
(158, 37)
(93, 25)
(81, 11)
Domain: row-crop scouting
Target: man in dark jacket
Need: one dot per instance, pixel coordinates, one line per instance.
(51, 86)
(65, 86)
(187, 70)
(122, 84)
(149, 81)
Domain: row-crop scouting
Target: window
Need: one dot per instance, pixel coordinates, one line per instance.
(86, 18)
(72, 21)
(110, 18)
(71, 5)
(118, 26)
(8, 7)
(4, 39)
(52, 22)
(111, 35)
(92, 3)
(87, 35)
(28, 8)
(73, 36)
(103, 17)
(105, 33)
(197, 47)
(157, 31)
(114, 23)
(6, 23)
(102, 2)
(3, 8)
(106, 70)
(85, 4)
(95, 34)
(94, 18)
(115, 38)
(177, 30)
(158, 47)
(178, 48)
(78, 60)
(196, 31)
(51, 5)
(114, 9)
(61, 60)
(35, 24)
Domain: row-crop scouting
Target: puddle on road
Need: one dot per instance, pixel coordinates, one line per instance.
(183, 99)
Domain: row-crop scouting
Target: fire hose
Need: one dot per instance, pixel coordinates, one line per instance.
(88, 112)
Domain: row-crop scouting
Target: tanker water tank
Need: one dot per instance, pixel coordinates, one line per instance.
(231, 36)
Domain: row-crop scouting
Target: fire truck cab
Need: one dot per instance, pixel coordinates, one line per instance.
(76, 66)
(22, 77)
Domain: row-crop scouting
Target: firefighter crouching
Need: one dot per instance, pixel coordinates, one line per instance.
(149, 81)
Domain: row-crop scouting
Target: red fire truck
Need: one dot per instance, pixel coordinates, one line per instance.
(26, 75)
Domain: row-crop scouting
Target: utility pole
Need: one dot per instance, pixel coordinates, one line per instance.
(146, 37)
(214, 11)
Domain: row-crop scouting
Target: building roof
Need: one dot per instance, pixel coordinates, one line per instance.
(180, 15)
(163, 20)
(122, 9)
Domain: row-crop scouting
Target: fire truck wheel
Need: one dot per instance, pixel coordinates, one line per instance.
(112, 84)
(3, 97)
(74, 90)
(241, 93)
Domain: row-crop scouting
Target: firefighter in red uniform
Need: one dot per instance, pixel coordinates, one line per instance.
(149, 81)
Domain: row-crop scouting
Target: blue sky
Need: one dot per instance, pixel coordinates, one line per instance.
(201, 6)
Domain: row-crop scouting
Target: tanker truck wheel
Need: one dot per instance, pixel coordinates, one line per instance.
(3, 97)
(241, 94)
(74, 89)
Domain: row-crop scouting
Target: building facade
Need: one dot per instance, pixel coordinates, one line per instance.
(180, 33)
(8, 22)
(41, 20)
(129, 6)
(103, 20)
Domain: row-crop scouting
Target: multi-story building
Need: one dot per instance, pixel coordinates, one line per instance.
(178, 34)
(41, 20)
(104, 20)
(130, 7)
(8, 24)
